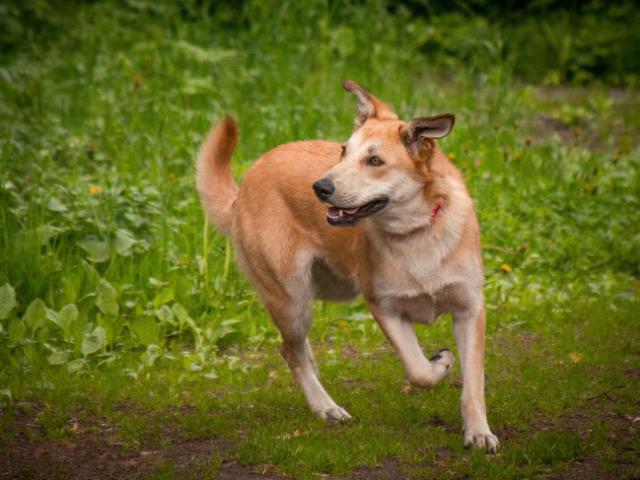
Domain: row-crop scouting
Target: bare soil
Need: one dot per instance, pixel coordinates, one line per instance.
(94, 451)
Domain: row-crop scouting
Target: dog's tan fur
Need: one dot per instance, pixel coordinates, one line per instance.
(413, 260)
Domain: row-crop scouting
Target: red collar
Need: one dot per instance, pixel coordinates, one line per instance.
(435, 211)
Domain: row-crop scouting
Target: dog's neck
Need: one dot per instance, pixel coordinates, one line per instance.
(412, 218)
(425, 218)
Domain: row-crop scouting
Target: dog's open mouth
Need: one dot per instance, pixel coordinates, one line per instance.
(349, 216)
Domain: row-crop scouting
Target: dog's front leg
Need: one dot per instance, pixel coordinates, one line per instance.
(419, 371)
(469, 327)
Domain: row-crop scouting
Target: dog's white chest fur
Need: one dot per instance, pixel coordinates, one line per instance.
(408, 287)
(413, 280)
(413, 267)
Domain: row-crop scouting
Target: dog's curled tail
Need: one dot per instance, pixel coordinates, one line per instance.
(214, 180)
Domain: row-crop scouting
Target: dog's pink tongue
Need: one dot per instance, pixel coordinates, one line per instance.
(350, 211)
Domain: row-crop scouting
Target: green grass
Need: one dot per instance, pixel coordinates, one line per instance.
(125, 327)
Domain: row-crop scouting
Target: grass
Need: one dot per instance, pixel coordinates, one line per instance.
(131, 346)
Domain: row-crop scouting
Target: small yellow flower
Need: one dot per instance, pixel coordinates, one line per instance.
(506, 268)
(575, 357)
(452, 155)
(93, 189)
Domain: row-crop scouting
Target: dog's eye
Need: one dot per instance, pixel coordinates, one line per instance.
(374, 161)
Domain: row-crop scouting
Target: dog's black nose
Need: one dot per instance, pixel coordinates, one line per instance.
(324, 188)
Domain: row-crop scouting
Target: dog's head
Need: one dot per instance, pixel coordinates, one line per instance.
(384, 164)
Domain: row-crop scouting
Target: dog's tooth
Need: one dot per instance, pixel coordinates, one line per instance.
(333, 212)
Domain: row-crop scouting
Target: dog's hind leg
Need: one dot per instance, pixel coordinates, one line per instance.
(283, 280)
(294, 318)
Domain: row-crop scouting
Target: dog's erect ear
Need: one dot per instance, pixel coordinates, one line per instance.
(419, 133)
(368, 105)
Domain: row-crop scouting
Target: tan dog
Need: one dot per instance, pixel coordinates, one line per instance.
(410, 246)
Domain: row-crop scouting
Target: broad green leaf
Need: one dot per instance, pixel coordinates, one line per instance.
(46, 232)
(107, 298)
(58, 358)
(165, 296)
(123, 241)
(17, 331)
(93, 341)
(87, 301)
(185, 320)
(112, 327)
(182, 315)
(75, 365)
(227, 327)
(7, 300)
(35, 315)
(55, 205)
(67, 316)
(147, 330)
(52, 315)
(225, 332)
(98, 250)
(165, 314)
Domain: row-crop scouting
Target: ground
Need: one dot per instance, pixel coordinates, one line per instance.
(559, 413)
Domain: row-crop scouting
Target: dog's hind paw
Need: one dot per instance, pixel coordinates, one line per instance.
(488, 441)
(333, 415)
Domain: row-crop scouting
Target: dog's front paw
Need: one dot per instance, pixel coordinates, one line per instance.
(444, 358)
(335, 414)
(486, 440)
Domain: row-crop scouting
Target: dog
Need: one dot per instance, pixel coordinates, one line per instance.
(385, 215)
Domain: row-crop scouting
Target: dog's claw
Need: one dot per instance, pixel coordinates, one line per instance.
(488, 441)
(335, 415)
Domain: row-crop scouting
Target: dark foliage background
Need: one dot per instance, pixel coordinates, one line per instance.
(545, 41)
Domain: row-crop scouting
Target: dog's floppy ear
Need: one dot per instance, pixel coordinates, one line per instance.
(419, 134)
(368, 105)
